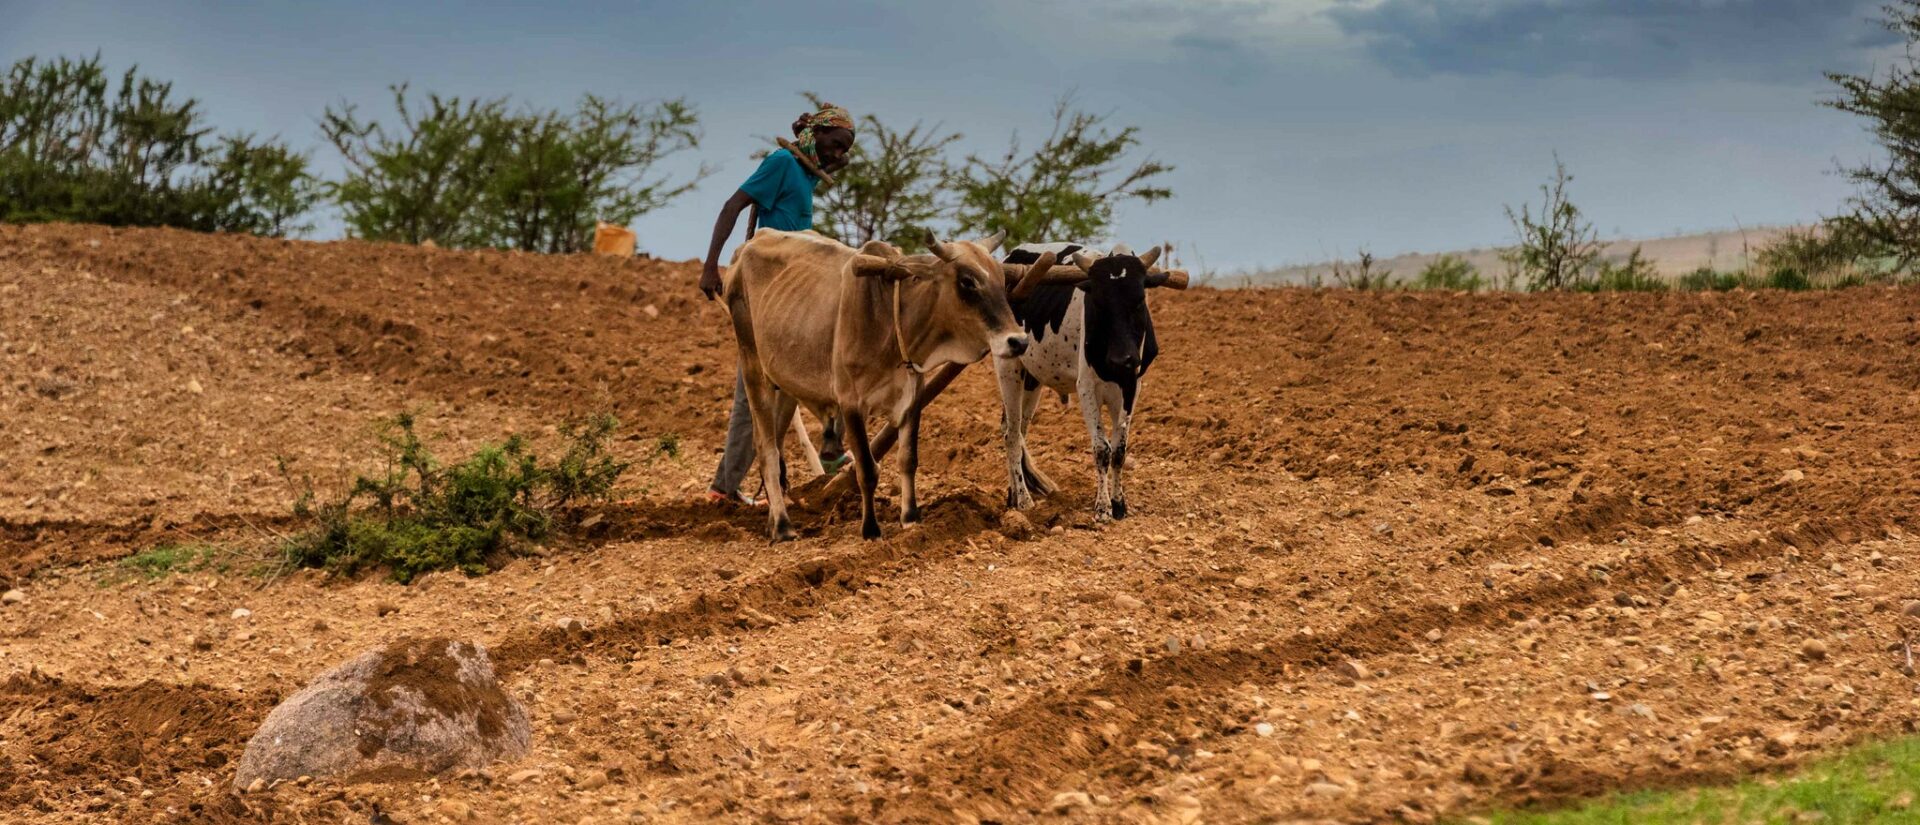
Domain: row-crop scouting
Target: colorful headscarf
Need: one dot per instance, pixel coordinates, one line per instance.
(829, 117)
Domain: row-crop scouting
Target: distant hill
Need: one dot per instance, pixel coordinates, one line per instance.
(1672, 256)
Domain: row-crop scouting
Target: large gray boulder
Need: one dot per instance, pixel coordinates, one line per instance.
(413, 708)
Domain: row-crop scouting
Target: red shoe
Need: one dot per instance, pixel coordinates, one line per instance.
(717, 497)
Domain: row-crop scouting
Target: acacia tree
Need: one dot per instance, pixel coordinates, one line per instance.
(560, 174)
(472, 173)
(1064, 188)
(140, 156)
(1556, 247)
(426, 180)
(1886, 212)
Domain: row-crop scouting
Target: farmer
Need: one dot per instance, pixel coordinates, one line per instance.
(781, 194)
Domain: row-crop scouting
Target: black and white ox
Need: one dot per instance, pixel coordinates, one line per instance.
(1095, 338)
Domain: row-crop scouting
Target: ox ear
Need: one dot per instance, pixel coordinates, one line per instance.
(993, 241)
(1084, 261)
(1152, 257)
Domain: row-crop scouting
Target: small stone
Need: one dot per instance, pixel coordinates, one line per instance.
(1792, 476)
(1353, 670)
(241, 613)
(525, 775)
(651, 311)
(564, 717)
(1600, 696)
(571, 625)
(1642, 711)
(1326, 790)
(194, 387)
(13, 597)
(1779, 743)
(1068, 800)
(1173, 645)
(1818, 681)
(1263, 730)
(1911, 609)
(1813, 649)
(384, 608)
(593, 780)
(1245, 582)
(1126, 602)
(200, 643)
(455, 810)
(256, 786)
(1435, 635)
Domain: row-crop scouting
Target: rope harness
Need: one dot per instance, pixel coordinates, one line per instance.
(900, 338)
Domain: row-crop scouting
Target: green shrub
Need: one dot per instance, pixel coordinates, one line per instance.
(1451, 272)
(1635, 274)
(1787, 278)
(1706, 279)
(158, 562)
(418, 515)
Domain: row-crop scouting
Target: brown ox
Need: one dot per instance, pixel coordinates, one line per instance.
(831, 328)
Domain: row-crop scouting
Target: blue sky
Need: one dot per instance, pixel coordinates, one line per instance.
(1300, 129)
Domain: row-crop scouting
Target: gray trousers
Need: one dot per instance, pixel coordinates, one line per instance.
(737, 458)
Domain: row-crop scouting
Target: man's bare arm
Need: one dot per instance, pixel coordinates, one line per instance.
(722, 227)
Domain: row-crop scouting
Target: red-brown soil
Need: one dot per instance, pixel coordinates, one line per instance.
(1568, 543)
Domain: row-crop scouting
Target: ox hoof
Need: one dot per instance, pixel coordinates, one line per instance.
(1102, 517)
(1119, 509)
(870, 530)
(782, 531)
(911, 515)
(1019, 500)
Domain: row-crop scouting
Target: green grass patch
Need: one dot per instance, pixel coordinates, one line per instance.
(1870, 785)
(420, 514)
(167, 559)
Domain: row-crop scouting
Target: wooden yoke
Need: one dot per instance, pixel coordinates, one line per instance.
(798, 155)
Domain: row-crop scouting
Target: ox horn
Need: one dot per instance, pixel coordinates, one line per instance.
(1084, 261)
(1152, 257)
(993, 241)
(938, 249)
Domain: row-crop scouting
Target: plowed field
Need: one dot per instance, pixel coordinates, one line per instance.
(1393, 556)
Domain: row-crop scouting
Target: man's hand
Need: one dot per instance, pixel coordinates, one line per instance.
(710, 280)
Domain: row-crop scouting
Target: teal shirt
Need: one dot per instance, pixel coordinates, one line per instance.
(783, 189)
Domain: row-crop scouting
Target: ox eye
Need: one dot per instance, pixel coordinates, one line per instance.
(969, 283)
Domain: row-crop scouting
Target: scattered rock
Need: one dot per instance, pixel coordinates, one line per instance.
(1351, 669)
(1263, 729)
(15, 596)
(1126, 602)
(1813, 649)
(592, 780)
(1326, 790)
(1069, 800)
(1435, 635)
(384, 608)
(1792, 476)
(456, 810)
(1911, 609)
(415, 706)
(564, 717)
(200, 642)
(571, 625)
(524, 775)
(1173, 645)
(193, 386)
(241, 613)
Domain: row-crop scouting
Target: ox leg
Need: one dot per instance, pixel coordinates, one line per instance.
(1037, 481)
(807, 449)
(909, 465)
(1122, 424)
(772, 415)
(1090, 397)
(863, 470)
(1013, 430)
